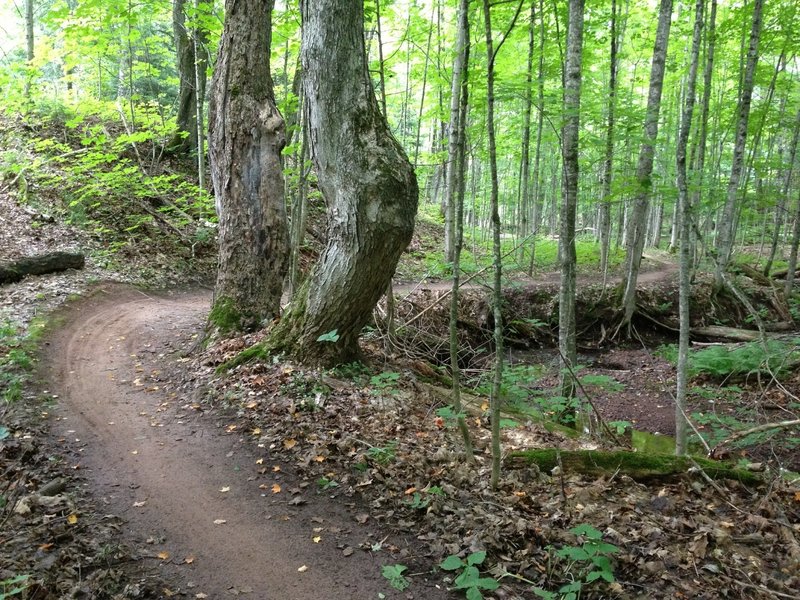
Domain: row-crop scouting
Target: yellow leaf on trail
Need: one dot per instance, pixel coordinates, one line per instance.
(260, 461)
(276, 468)
(302, 569)
(219, 521)
(139, 504)
(319, 458)
(134, 452)
(224, 489)
(797, 496)
(289, 443)
(485, 406)
(410, 491)
(276, 488)
(189, 559)
(257, 431)
(201, 595)
(72, 519)
(316, 539)
(164, 555)
(252, 404)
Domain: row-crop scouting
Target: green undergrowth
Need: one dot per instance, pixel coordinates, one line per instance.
(18, 349)
(720, 362)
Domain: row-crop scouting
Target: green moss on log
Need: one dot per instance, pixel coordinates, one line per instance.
(638, 466)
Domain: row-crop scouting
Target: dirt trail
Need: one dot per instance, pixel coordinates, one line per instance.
(161, 466)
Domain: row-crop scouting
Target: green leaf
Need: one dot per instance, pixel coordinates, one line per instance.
(474, 593)
(476, 558)
(331, 336)
(468, 578)
(4, 432)
(487, 583)
(587, 530)
(394, 574)
(451, 563)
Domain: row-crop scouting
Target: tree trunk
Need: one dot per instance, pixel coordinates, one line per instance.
(452, 137)
(726, 225)
(784, 197)
(366, 179)
(192, 53)
(790, 274)
(246, 136)
(460, 181)
(608, 160)
(536, 213)
(524, 201)
(29, 55)
(686, 236)
(569, 193)
(637, 219)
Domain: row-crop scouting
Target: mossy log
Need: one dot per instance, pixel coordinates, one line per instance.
(638, 466)
(52, 262)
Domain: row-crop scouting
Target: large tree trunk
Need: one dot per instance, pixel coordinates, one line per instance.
(637, 220)
(192, 57)
(571, 131)
(246, 136)
(29, 47)
(366, 179)
(686, 236)
(724, 242)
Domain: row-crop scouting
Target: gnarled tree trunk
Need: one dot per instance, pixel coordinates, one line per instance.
(246, 136)
(366, 179)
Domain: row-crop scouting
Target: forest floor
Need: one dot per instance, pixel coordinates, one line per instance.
(135, 470)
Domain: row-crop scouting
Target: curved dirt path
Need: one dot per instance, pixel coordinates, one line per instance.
(170, 472)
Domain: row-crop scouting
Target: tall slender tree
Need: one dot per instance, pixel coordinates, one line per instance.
(246, 136)
(569, 200)
(727, 221)
(686, 232)
(637, 220)
(191, 46)
(608, 159)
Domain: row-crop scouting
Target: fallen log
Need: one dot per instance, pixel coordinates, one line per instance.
(727, 333)
(636, 465)
(52, 262)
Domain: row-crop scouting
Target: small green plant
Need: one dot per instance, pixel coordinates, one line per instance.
(13, 586)
(418, 501)
(384, 384)
(469, 579)
(331, 336)
(394, 574)
(582, 564)
(325, 484)
(383, 455)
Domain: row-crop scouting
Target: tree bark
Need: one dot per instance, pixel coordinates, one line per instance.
(686, 236)
(192, 54)
(725, 227)
(637, 220)
(246, 136)
(366, 179)
(569, 203)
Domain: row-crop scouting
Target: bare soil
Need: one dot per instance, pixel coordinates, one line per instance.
(195, 496)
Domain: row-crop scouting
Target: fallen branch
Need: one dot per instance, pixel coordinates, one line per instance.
(757, 429)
